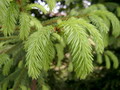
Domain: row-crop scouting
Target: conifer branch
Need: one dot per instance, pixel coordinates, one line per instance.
(79, 47)
(40, 52)
(24, 25)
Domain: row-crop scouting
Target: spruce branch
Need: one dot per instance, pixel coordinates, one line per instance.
(101, 26)
(24, 25)
(40, 52)
(113, 20)
(79, 47)
(94, 33)
(9, 20)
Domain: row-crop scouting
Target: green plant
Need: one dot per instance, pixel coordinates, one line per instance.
(29, 47)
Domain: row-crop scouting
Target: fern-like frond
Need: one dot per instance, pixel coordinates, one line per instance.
(3, 8)
(24, 25)
(99, 23)
(40, 51)
(94, 33)
(101, 26)
(36, 23)
(106, 20)
(113, 19)
(114, 58)
(36, 6)
(79, 47)
(51, 4)
(9, 20)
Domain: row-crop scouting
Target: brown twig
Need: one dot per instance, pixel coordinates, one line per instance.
(53, 21)
(7, 38)
(20, 4)
(33, 85)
